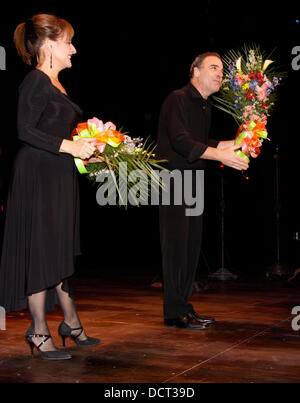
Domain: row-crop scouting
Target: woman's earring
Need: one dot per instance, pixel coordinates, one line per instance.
(51, 57)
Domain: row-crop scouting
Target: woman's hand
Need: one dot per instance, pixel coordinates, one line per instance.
(94, 160)
(82, 148)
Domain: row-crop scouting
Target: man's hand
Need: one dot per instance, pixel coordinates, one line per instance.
(226, 156)
(229, 158)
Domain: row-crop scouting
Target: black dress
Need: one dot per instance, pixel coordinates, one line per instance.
(41, 236)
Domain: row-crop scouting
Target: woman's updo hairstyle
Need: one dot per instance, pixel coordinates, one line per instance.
(29, 36)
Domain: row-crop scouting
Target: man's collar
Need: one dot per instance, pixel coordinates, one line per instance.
(195, 94)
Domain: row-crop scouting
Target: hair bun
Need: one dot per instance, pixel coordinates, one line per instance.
(29, 32)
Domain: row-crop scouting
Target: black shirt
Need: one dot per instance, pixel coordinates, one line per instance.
(183, 129)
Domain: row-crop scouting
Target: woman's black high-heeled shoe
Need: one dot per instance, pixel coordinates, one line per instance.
(46, 355)
(65, 330)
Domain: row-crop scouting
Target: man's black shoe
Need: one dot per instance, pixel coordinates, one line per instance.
(185, 322)
(201, 319)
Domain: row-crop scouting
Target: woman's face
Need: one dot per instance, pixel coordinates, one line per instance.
(61, 50)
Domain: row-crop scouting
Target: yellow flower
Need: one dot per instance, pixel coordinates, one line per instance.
(238, 64)
(266, 64)
(246, 86)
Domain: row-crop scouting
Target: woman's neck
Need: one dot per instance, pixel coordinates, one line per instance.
(52, 73)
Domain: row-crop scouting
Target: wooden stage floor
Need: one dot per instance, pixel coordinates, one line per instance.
(252, 340)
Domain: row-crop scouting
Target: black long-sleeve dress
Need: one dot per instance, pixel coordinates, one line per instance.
(41, 236)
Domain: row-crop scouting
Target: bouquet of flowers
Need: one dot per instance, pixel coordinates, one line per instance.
(122, 159)
(248, 93)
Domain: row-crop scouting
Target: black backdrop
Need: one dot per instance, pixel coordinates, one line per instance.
(129, 57)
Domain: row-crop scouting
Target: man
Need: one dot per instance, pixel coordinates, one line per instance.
(183, 139)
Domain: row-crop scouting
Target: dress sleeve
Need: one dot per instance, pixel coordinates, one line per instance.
(34, 95)
(179, 136)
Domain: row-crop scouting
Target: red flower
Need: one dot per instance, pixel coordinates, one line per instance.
(260, 77)
(252, 75)
(250, 95)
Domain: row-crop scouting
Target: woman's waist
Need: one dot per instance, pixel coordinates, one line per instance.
(34, 153)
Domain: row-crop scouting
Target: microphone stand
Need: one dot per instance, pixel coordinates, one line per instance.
(222, 274)
(277, 269)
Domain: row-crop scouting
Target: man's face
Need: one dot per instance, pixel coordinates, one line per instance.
(209, 76)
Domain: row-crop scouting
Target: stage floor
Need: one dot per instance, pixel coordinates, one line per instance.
(252, 340)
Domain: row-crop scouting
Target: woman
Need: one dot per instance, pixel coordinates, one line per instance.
(41, 234)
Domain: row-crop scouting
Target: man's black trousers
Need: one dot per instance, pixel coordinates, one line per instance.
(180, 237)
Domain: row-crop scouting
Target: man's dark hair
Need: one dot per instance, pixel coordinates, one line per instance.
(199, 59)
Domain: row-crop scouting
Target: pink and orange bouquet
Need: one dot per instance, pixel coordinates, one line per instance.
(118, 157)
(104, 134)
(248, 93)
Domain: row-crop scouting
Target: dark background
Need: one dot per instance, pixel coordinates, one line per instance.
(129, 57)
